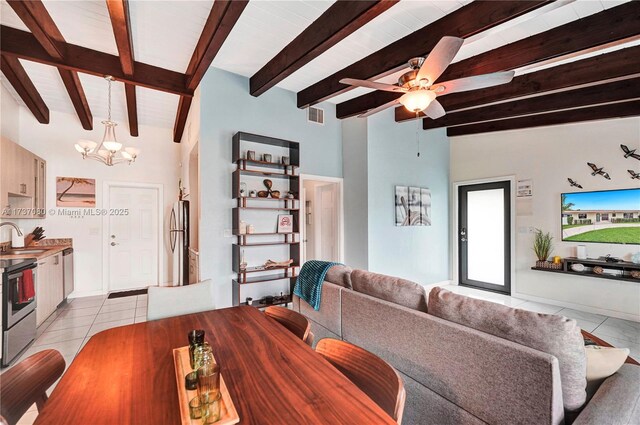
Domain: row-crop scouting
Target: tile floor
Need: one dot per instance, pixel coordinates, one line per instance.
(71, 326)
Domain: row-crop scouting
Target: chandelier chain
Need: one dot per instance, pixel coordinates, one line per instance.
(109, 101)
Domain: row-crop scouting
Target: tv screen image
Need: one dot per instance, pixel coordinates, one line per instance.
(607, 216)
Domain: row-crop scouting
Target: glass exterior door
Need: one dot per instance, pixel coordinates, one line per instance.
(484, 235)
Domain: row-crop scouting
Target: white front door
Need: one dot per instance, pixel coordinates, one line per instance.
(327, 227)
(133, 237)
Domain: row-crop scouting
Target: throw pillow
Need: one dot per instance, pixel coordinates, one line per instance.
(603, 362)
(555, 335)
(339, 275)
(393, 289)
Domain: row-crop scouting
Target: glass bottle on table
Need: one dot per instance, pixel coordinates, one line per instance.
(202, 356)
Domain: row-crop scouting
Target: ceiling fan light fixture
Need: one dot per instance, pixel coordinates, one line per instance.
(417, 100)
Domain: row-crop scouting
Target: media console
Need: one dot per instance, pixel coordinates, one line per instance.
(621, 269)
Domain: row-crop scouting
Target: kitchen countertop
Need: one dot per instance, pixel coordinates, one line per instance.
(48, 251)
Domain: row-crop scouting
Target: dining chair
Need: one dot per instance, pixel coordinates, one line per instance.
(295, 322)
(375, 377)
(165, 302)
(27, 383)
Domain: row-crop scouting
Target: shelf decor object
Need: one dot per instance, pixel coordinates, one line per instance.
(251, 174)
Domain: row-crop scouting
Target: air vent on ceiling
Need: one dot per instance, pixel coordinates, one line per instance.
(315, 115)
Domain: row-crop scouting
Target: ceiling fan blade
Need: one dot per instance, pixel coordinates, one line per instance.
(373, 85)
(473, 83)
(439, 58)
(435, 110)
(379, 108)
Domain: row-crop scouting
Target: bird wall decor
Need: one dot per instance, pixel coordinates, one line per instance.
(598, 170)
(634, 175)
(574, 183)
(630, 152)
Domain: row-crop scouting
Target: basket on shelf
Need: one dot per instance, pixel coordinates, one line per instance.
(548, 265)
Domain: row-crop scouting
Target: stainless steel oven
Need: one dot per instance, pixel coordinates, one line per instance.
(19, 300)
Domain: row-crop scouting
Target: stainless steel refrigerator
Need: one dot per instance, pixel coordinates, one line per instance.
(179, 239)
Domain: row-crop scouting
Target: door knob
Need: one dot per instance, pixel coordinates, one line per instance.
(113, 244)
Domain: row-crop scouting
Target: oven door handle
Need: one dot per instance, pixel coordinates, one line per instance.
(19, 272)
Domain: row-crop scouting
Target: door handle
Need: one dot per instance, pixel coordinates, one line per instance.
(113, 244)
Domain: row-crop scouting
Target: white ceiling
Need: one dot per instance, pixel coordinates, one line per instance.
(165, 33)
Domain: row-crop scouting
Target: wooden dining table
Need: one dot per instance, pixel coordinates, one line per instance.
(126, 375)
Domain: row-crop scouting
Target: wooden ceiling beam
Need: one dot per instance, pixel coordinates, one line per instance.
(465, 22)
(622, 63)
(587, 96)
(612, 110)
(22, 84)
(121, 24)
(24, 45)
(612, 25)
(339, 21)
(222, 18)
(36, 17)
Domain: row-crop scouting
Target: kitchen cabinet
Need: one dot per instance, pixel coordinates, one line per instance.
(49, 286)
(22, 182)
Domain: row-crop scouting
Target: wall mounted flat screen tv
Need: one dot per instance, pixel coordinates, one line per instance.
(607, 216)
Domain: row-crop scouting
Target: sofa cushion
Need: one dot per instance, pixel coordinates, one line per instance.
(339, 275)
(392, 289)
(555, 335)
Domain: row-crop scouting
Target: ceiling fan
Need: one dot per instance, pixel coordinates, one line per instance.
(418, 86)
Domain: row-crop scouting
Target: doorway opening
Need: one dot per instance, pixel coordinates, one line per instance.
(484, 235)
(133, 244)
(321, 218)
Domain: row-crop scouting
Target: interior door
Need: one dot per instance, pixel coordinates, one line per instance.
(326, 230)
(484, 236)
(133, 238)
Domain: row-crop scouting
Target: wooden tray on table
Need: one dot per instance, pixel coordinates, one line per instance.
(228, 413)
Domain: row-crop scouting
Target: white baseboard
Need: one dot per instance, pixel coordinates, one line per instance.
(428, 286)
(76, 294)
(581, 307)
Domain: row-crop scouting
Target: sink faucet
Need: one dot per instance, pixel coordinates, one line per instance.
(8, 223)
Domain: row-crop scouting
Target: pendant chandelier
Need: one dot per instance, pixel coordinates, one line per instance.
(110, 152)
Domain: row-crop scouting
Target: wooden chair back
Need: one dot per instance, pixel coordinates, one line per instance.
(375, 377)
(295, 322)
(27, 383)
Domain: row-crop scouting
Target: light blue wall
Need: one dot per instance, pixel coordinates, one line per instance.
(226, 108)
(355, 171)
(420, 254)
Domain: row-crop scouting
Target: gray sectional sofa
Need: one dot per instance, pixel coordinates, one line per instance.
(458, 374)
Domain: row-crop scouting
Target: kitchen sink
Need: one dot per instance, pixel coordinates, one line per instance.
(25, 251)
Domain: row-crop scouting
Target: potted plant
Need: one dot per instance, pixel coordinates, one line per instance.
(542, 246)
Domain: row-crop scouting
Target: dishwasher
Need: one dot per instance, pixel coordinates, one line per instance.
(67, 271)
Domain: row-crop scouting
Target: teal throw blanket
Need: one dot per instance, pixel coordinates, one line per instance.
(309, 283)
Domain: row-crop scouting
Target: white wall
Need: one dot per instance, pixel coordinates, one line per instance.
(158, 163)
(550, 155)
(9, 115)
